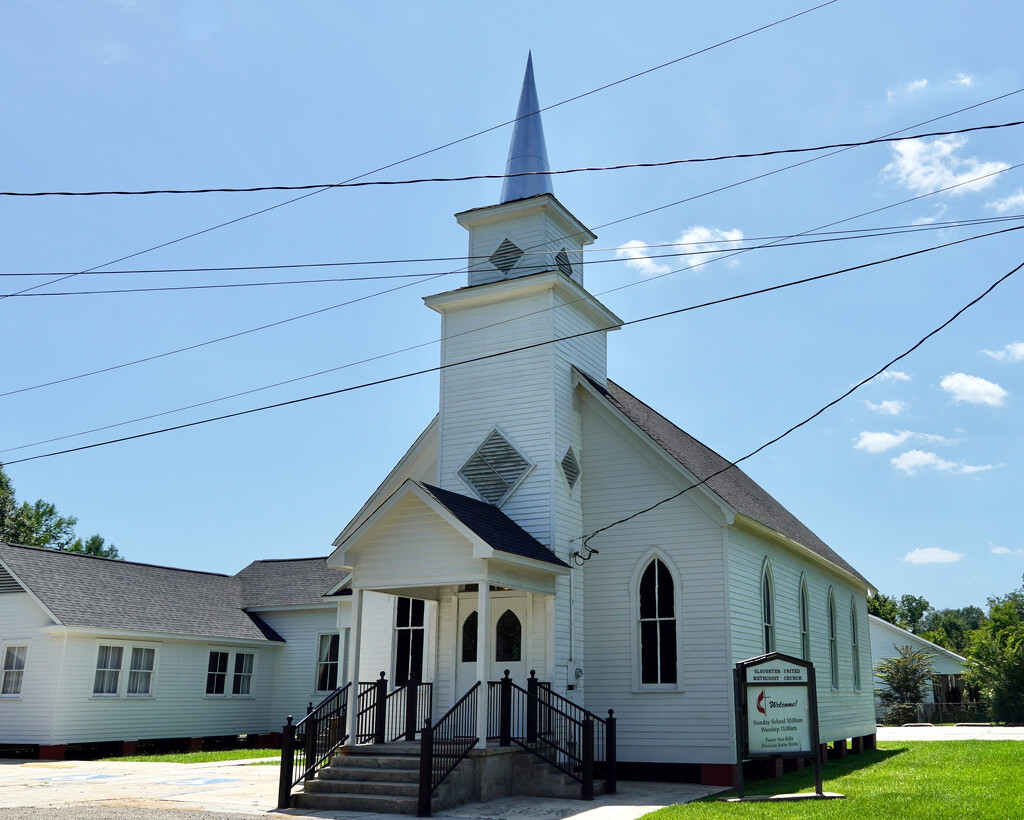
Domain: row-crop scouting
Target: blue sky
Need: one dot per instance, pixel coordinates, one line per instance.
(915, 478)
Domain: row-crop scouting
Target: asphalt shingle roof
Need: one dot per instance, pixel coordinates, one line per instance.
(492, 525)
(288, 582)
(733, 486)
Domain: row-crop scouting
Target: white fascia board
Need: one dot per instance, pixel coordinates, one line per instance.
(426, 441)
(481, 549)
(903, 634)
(332, 593)
(529, 563)
(744, 522)
(525, 207)
(725, 511)
(31, 594)
(128, 637)
(291, 607)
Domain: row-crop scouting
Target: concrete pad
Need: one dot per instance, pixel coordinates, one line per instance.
(106, 789)
(950, 733)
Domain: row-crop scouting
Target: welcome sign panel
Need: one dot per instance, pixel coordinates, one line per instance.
(778, 720)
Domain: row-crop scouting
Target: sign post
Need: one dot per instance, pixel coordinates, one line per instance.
(777, 712)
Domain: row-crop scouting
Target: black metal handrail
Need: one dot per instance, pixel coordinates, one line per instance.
(406, 708)
(306, 746)
(445, 744)
(370, 720)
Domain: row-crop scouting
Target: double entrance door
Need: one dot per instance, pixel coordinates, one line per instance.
(509, 630)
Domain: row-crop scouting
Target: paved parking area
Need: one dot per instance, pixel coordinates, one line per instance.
(110, 791)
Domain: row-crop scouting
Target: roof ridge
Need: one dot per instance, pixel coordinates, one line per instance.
(119, 561)
(289, 560)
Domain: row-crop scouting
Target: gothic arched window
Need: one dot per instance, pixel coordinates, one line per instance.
(657, 625)
(508, 640)
(805, 622)
(833, 640)
(768, 609)
(469, 638)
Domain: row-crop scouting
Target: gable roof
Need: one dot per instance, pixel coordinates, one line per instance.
(492, 525)
(102, 593)
(288, 582)
(733, 486)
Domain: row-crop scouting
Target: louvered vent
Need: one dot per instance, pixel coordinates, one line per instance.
(506, 256)
(562, 260)
(570, 468)
(494, 469)
(7, 582)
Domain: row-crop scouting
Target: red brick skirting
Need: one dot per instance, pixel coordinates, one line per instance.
(718, 774)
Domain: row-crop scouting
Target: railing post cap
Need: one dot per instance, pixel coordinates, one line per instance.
(533, 673)
(611, 713)
(506, 673)
(382, 674)
(289, 720)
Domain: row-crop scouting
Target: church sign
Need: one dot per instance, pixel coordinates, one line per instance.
(776, 710)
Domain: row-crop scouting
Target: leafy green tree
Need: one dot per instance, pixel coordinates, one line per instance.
(906, 675)
(40, 525)
(995, 657)
(912, 610)
(885, 607)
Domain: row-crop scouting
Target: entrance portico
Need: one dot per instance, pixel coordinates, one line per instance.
(492, 584)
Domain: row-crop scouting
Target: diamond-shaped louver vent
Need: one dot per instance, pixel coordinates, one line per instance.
(562, 260)
(494, 469)
(570, 468)
(506, 256)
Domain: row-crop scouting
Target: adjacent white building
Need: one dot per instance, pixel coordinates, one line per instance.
(946, 682)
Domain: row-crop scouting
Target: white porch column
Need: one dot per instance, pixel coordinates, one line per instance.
(354, 643)
(483, 656)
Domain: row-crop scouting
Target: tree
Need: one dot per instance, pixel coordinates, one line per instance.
(885, 607)
(40, 525)
(912, 610)
(906, 676)
(995, 657)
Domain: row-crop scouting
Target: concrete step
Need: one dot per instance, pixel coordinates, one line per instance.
(379, 761)
(349, 787)
(357, 802)
(343, 773)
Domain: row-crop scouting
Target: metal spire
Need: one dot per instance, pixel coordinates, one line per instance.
(527, 151)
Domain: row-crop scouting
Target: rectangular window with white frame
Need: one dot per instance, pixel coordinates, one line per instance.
(242, 683)
(140, 671)
(124, 670)
(108, 670)
(230, 673)
(327, 657)
(14, 656)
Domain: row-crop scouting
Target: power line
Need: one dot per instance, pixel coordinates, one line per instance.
(472, 177)
(849, 235)
(535, 345)
(587, 538)
(438, 148)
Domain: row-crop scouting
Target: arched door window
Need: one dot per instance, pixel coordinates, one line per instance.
(469, 638)
(508, 640)
(657, 625)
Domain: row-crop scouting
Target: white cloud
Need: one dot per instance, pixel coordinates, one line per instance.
(888, 407)
(697, 239)
(965, 80)
(880, 442)
(932, 555)
(892, 376)
(1001, 551)
(913, 460)
(924, 167)
(636, 254)
(1010, 203)
(1013, 352)
(973, 389)
(893, 94)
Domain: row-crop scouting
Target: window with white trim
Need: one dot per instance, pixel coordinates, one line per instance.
(833, 641)
(108, 670)
(140, 671)
(14, 669)
(410, 632)
(854, 645)
(657, 625)
(767, 609)
(217, 673)
(229, 673)
(327, 657)
(241, 683)
(805, 622)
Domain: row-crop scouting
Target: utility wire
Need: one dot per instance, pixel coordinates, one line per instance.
(471, 177)
(849, 235)
(587, 538)
(535, 345)
(440, 147)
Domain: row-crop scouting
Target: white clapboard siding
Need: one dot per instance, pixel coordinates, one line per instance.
(28, 718)
(886, 638)
(844, 712)
(691, 724)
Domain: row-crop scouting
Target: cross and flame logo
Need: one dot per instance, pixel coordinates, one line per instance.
(760, 704)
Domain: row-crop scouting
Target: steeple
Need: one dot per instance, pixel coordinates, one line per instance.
(527, 151)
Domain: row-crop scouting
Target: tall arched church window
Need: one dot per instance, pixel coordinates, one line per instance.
(854, 644)
(805, 622)
(767, 609)
(409, 634)
(657, 625)
(469, 638)
(508, 640)
(833, 641)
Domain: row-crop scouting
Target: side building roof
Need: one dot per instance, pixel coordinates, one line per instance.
(733, 486)
(289, 582)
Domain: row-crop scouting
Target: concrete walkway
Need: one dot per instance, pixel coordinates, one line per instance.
(950, 733)
(242, 790)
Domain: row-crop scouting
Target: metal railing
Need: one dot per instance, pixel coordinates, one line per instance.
(562, 733)
(445, 744)
(307, 745)
(896, 714)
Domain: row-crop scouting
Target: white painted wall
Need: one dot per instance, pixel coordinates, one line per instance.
(28, 717)
(886, 636)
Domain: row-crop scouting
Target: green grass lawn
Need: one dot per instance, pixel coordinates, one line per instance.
(201, 757)
(931, 779)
